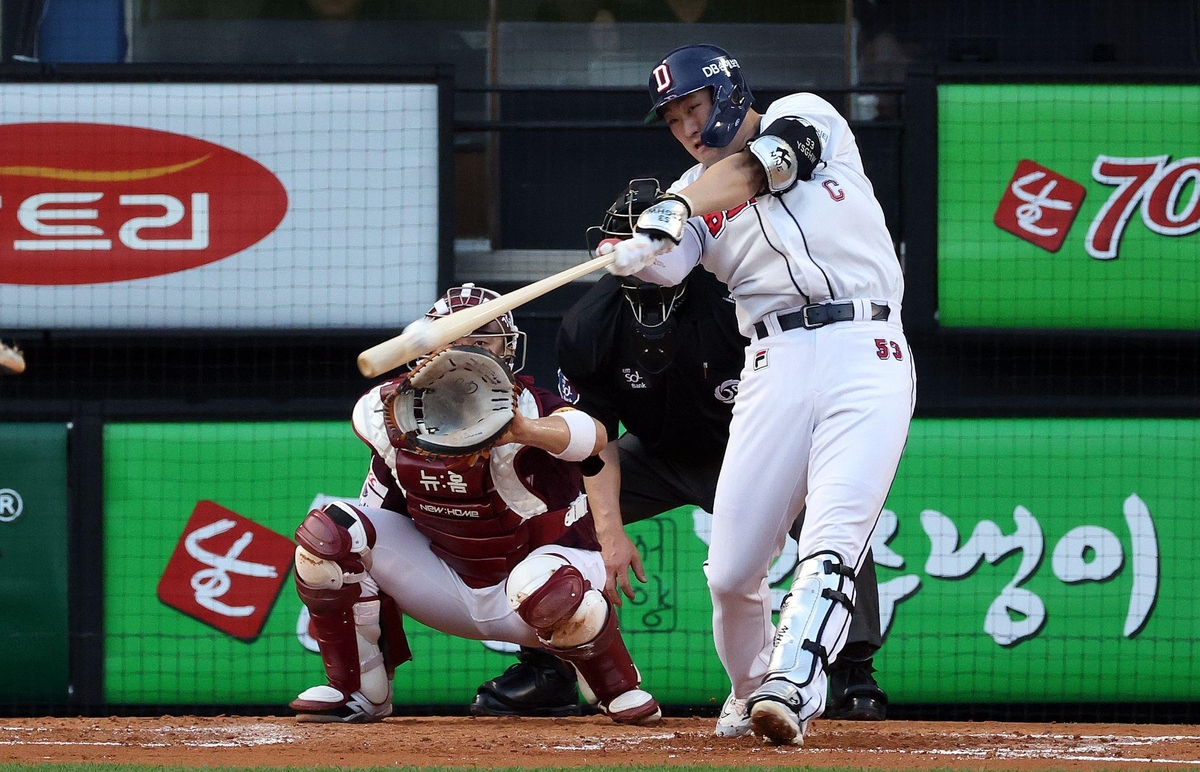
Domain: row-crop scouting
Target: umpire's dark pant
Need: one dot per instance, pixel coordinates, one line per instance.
(651, 485)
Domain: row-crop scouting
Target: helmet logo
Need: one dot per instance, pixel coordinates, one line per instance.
(662, 77)
(723, 65)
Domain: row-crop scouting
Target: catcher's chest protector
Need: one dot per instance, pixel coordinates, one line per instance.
(458, 509)
(481, 518)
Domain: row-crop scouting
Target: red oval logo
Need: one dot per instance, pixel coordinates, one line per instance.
(84, 203)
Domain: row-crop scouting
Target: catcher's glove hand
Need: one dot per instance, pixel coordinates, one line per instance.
(457, 402)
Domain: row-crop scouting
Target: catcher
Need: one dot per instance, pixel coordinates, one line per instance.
(472, 521)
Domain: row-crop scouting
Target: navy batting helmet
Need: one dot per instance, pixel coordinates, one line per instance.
(691, 68)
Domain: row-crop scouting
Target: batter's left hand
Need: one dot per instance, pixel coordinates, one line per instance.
(634, 254)
(620, 557)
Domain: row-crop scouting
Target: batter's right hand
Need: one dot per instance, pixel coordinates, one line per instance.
(620, 556)
(634, 254)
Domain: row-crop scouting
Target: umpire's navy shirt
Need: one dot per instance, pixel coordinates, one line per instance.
(681, 412)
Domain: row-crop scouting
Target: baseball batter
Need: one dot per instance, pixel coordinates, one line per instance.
(495, 546)
(778, 207)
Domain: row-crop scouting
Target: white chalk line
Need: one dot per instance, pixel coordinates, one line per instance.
(239, 736)
(1092, 750)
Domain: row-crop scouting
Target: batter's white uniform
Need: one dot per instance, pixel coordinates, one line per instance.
(821, 415)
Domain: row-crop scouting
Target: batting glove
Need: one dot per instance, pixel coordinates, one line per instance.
(666, 218)
(634, 254)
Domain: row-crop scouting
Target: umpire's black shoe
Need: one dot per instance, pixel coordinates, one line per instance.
(538, 685)
(853, 693)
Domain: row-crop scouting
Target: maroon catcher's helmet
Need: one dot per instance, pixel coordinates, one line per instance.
(468, 296)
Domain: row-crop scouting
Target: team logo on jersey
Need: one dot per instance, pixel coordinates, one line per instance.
(1039, 205)
(566, 389)
(716, 220)
(727, 391)
(226, 571)
(760, 359)
(633, 378)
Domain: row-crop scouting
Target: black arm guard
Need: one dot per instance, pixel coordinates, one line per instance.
(789, 150)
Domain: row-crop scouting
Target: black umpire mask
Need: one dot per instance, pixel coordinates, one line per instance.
(653, 320)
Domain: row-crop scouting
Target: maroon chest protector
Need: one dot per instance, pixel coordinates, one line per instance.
(456, 506)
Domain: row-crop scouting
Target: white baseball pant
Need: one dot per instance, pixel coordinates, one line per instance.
(821, 418)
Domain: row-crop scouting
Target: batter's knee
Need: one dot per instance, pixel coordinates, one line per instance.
(733, 581)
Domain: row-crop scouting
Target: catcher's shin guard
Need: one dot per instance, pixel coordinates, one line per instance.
(577, 624)
(812, 629)
(607, 671)
(332, 580)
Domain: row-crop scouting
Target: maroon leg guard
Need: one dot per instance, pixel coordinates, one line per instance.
(555, 600)
(332, 624)
(604, 662)
(393, 642)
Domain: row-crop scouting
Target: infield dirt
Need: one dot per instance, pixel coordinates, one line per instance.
(570, 742)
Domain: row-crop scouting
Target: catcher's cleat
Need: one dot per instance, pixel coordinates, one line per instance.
(635, 707)
(327, 705)
(775, 712)
(734, 720)
(853, 693)
(539, 685)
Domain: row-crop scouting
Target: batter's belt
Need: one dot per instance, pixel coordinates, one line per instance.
(815, 315)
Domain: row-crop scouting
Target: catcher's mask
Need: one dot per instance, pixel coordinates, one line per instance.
(653, 308)
(504, 326)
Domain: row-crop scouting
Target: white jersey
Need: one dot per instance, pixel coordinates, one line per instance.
(825, 239)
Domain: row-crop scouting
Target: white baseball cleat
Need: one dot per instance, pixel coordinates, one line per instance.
(734, 720)
(777, 723)
(326, 705)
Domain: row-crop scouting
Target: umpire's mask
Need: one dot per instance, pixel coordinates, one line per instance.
(654, 320)
(622, 214)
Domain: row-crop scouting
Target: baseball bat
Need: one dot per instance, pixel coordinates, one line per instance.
(424, 335)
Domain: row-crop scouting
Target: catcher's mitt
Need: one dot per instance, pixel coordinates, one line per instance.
(456, 402)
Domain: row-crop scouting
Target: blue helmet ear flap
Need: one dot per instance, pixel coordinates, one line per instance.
(692, 68)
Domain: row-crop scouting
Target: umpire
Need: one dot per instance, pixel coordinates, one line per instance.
(665, 362)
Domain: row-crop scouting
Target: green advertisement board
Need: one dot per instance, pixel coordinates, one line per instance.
(33, 564)
(1019, 560)
(1069, 206)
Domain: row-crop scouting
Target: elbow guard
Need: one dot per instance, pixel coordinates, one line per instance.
(789, 151)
